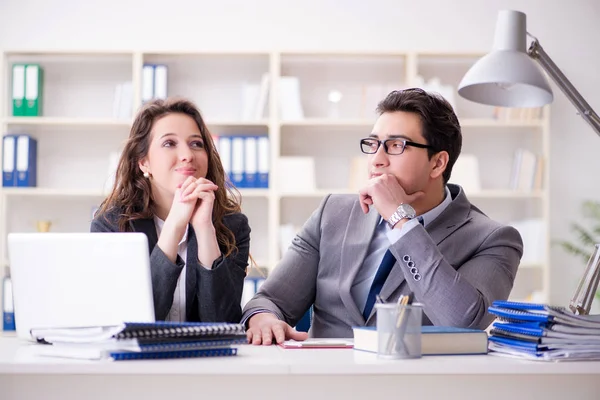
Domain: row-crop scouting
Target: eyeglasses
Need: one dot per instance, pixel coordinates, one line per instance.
(391, 146)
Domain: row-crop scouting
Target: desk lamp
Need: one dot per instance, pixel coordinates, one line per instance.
(508, 77)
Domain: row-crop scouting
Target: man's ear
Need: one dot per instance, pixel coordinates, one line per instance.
(439, 162)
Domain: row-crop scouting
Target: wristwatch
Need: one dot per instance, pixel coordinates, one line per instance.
(404, 211)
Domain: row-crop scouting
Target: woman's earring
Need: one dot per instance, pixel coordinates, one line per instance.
(146, 175)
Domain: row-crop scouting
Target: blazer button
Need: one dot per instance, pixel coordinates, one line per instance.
(417, 277)
(406, 258)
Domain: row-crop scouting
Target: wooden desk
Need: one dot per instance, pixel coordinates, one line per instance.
(272, 372)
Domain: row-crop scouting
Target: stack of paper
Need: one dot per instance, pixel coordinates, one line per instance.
(132, 341)
(542, 332)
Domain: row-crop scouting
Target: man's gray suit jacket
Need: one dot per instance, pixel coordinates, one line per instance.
(465, 259)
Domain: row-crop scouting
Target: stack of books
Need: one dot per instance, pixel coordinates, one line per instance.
(541, 332)
(133, 341)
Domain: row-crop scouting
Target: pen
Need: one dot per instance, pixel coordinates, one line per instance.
(400, 323)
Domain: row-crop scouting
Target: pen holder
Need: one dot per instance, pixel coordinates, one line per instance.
(398, 331)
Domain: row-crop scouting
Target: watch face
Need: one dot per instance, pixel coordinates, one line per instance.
(408, 210)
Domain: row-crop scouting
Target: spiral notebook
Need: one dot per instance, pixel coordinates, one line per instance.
(148, 332)
(142, 341)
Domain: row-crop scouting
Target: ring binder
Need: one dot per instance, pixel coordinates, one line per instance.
(122, 356)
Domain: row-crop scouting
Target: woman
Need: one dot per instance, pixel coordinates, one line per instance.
(170, 185)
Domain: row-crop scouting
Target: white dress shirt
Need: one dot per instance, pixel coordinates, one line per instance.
(177, 312)
(383, 238)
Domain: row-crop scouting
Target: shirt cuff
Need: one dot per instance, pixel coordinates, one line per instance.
(395, 234)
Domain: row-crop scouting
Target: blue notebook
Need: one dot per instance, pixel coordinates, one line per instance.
(219, 352)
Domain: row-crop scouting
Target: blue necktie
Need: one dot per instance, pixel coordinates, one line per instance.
(387, 263)
(382, 273)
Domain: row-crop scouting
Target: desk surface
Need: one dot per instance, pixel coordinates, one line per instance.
(17, 357)
(265, 372)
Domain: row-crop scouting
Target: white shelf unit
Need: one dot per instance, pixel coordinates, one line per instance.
(78, 131)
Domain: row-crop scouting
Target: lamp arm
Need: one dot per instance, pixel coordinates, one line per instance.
(581, 302)
(587, 113)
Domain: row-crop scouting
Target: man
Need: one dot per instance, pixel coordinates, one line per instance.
(451, 256)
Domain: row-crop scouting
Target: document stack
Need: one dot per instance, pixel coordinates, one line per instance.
(542, 332)
(134, 341)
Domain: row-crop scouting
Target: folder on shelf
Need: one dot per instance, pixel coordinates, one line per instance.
(147, 82)
(237, 161)
(160, 81)
(250, 162)
(26, 161)
(18, 90)
(34, 83)
(225, 155)
(154, 82)
(251, 286)
(9, 155)
(263, 162)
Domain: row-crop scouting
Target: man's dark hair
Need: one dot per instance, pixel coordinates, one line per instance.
(440, 125)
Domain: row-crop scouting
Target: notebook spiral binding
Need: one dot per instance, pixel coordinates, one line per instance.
(168, 330)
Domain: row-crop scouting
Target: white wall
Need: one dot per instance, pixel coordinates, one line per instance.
(569, 32)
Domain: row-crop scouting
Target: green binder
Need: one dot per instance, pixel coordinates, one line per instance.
(18, 90)
(34, 84)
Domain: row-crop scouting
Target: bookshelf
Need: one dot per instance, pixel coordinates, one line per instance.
(79, 129)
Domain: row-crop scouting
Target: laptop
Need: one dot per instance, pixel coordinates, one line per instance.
(63, 280)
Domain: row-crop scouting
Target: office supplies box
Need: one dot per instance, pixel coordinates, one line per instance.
(34, 90)
(18, 90)
(26, 161)
(9, 156)
(435, 340)
(133, 340)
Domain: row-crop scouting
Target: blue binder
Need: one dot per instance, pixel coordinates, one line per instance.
(26, 161)
(220, 352)
(9, 156)
(263, 162)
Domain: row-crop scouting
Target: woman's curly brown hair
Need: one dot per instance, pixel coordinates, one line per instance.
(131, 195)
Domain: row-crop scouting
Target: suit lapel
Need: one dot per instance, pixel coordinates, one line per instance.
(147, 227)
(452, 218)
(358, 235)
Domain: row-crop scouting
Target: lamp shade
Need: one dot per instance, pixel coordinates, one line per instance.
(507, 76)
